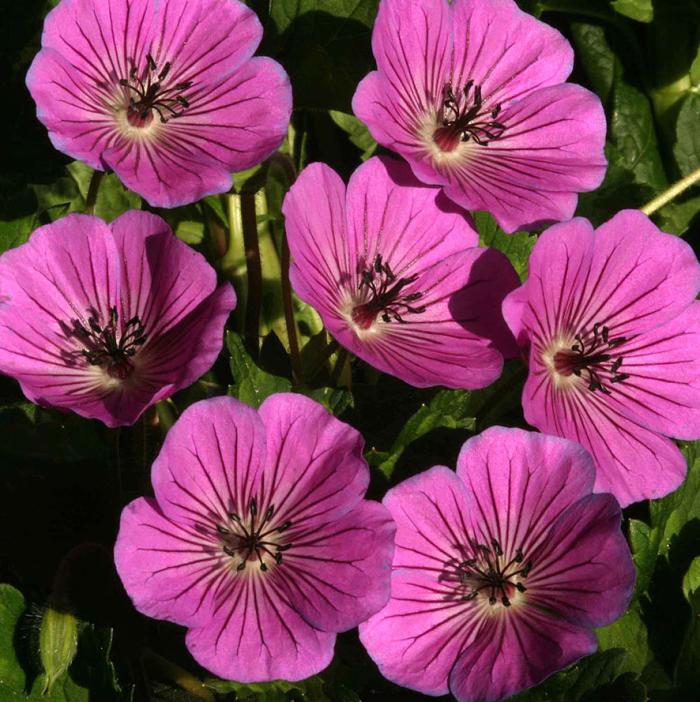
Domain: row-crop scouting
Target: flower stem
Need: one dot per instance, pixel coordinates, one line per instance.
(93, 189)
(672, 193)
(252, 257)
(289, 319)
(285, 163)
(339, 365)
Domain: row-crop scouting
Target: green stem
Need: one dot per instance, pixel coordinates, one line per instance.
(93, 189)
(672, 193)
(289, 320)
(255, 286)
(339, 365)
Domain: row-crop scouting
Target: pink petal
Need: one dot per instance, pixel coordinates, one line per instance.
(416, 639)
(339, 571)
(241, 120)
(71, 107)
(170, 570)
(632, 462)
(210, 463)
(572, 575)
(663, 390)
(412, 44)
(521, 482)
(506, 51)
(317, 237)
(256, 636)
(166, 172)
(64, 272)
(551, 148)
(515, 653)
(204, 39)
(314, 470)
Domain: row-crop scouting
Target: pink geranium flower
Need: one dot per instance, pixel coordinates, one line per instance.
(393, 269)
(472, 95)
(165, 92)
(501, 571)
(107, 319)
(614, 333)
(258, 539)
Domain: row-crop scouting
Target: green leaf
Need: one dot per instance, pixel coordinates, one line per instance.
(640, 10)
(15, 232)
(691, 580)
(628, 633)
(113, 198)
(325, 47)
(635, 169)
(89, 667)
(687, 147)
(335, 400)
(251, 383)
(11, 608)
(678, 216)
(357, 132)
(687, 671)
(668, 517)
(517, 246)
(447, 409)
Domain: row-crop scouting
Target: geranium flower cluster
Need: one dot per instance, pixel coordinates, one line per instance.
(258, 538)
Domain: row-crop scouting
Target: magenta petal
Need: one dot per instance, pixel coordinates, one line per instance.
(663, 392)
(315, 468)
(632, 462)
(341, 568)
(572, 577)
(516, 653)
(471, 94)
(170, 570)
(438, 320)
(417, 637)
(506, 51)
(611, 320)
(256, 636)
(192, 475)
(164, 93)
(521, 483)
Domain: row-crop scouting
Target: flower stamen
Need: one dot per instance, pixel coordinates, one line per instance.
(147, 94)
(486, 573)
(592, 355)
(386, 298)
(105, 346)
(251, 539)
(463, 116)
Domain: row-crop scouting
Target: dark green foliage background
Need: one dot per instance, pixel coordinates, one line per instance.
(60, 496)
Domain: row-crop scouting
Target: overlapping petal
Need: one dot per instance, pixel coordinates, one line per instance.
(79, 276)
(261, 515)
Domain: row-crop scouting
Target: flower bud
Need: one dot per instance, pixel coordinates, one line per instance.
(58, 644)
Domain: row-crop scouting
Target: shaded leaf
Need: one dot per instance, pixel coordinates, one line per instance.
(640, 10)
(325, 47)
(517, 246)
(448, 409)
(251, 383)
